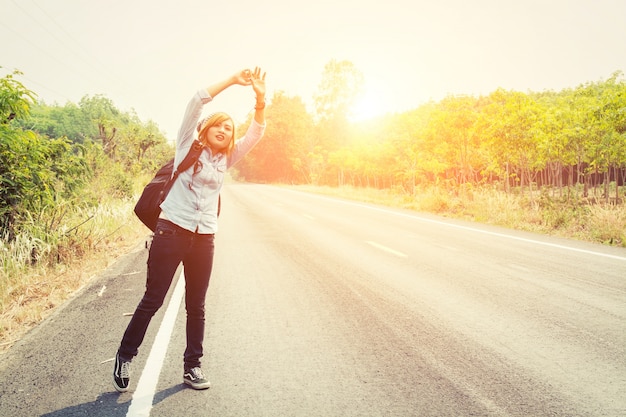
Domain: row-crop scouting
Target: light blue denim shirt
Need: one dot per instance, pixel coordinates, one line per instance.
(192, 201)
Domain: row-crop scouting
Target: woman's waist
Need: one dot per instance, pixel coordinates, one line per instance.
(166, 224)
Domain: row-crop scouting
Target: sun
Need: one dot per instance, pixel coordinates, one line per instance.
(368, 106)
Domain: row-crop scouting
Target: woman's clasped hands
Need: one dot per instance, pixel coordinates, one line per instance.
(254, 78)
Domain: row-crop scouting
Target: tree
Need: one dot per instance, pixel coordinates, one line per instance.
(55, 121)
(15, 102)
(508, 121)
(34, 170)
(414, 147)
(609, 134)
(281, 156)
(102, 112)
(15, 99)
(454, 123)
(340, 87)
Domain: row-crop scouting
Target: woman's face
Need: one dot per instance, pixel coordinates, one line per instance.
(220, 135)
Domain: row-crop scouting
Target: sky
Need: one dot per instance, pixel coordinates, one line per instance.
(151, 56)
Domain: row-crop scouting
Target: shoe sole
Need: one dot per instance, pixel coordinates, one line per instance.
(118, 388)
(206, 385)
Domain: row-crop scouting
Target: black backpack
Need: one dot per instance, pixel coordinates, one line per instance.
(148, 207)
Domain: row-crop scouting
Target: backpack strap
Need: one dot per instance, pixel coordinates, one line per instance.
(190, 159)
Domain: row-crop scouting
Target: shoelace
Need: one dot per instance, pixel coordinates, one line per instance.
(125, 370)
(196, 373)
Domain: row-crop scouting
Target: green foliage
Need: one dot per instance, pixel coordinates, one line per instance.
(68, 156)
(35, 171)
(15, 99)
(287, 140)
(509, 138)
(342, 84)
(116, 183)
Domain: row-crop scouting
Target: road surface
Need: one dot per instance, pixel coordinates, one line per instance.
(325, 307)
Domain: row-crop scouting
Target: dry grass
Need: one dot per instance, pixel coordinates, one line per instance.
(600, 223)
(29, 293)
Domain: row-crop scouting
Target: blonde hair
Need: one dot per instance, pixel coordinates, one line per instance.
(213, 120)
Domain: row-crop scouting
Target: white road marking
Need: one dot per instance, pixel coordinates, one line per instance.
(143, 397)
(104, 287)
(473, 229)
(386, 249)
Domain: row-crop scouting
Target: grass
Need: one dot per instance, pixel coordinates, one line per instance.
(46, 265)
(598, 222)
(39, 273)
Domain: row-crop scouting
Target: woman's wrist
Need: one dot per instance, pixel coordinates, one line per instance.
(234, 80)
(260, 102)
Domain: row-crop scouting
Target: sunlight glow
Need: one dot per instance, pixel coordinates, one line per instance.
(370, 105)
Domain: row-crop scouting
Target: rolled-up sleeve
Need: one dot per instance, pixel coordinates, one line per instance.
(187, 131)
(247, 142)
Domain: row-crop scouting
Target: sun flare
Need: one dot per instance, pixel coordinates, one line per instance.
(367, 107)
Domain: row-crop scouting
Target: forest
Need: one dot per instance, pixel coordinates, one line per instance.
(570, 144)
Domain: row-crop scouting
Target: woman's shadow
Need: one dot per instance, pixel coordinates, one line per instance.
(110, 404)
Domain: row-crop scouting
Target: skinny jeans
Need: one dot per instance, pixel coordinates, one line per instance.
(171, 246)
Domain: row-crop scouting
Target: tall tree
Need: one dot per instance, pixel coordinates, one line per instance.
(282, 155)
(34, 170)
(102, 112)
(340, 87)
(508, 122)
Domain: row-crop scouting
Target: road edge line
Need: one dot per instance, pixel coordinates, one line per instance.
(141, 403)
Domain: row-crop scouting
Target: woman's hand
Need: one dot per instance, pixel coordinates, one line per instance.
(258, 83)
(243, 77)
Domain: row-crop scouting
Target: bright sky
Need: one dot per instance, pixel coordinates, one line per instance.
(151, 56)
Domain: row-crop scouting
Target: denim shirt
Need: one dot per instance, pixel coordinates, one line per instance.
(192, 201)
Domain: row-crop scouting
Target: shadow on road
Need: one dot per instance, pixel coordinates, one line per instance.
(107, 404)
(110, 404)
(162, 395)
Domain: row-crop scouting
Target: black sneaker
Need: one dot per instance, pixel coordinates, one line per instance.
(196, 379)
(121, 374)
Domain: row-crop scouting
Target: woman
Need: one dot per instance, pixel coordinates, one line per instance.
(185, 229)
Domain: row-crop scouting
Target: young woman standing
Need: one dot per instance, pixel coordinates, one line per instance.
(187, 224)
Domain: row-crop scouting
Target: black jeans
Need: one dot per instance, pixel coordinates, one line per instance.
(171, 246)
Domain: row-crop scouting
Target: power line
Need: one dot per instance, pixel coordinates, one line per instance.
(45, 52)
(86, 53)
(45, 87)
(68, 65)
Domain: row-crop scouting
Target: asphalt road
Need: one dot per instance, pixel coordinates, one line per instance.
(324, 307)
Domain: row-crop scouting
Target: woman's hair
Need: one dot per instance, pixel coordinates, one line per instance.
(212, 120)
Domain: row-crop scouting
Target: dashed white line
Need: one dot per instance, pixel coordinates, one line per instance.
(472, 229)
(386, 249)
